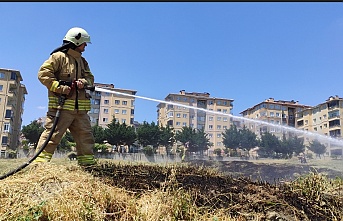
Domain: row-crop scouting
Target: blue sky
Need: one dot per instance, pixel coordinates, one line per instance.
(243, 51)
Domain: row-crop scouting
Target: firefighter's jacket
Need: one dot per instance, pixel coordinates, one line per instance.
(67, 66)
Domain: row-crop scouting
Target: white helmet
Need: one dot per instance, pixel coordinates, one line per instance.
(77, 36)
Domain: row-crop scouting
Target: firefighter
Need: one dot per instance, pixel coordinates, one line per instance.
(66, 64)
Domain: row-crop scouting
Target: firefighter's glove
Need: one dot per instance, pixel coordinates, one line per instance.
(63, 89)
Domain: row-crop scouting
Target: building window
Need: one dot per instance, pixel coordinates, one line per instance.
(219, 103)
(117, 102)
(271, 114)
(96, 101)
(210, 135)
(6, 127)
(105, 111)
(178, 115)
(178, 123)
(4, 140)
(124, 102)
(8, 114)
(219, 110)
(184, 124)
(210, 118)
(123, 121)
(170, 114)
(224, 119)
(224, 110)
(184, 115)
(210, 102)
(210, 126)
(13, 76)
(106, 101)
(1, 87)
(219, 143)
(105, 119)
(219, 118)
(116, 111)
(2, 75)
(96, 111)
(224, 127)
(219, 135)
(219, 127)
(123, 111)
(97, 93)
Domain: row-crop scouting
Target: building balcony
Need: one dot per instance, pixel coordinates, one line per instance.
(334, 126)
(334, 116)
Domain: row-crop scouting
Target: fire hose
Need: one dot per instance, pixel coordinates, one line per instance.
(61, 101)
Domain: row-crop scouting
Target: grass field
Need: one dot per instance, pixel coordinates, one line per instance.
(133, 191)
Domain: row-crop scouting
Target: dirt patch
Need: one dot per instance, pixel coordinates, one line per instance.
(239, 195)
(267, 172)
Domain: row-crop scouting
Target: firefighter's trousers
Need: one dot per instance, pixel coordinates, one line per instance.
(79, 126)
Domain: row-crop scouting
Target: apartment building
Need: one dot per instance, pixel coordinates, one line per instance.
(187, 111)
(324, 118)
(107, 105)
(278, 112)
(12, 98)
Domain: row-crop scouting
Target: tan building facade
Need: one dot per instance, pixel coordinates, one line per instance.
(12, 98)
(184, 112)
(106, 106)
(326, 119)
(278, 112)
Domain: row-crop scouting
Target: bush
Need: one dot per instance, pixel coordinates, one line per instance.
(217, 152)
(149, 151)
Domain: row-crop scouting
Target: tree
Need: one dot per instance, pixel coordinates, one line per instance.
(167, 138)
(269, 145)
(98, 133)
(201, 142)
(119, 134)
(195, 140)
(187, 135)
(247, 139)
(292, 145)
(231, 137)
(316, 147)
(149, 134)
(32, 132)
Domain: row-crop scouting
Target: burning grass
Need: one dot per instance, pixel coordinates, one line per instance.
(122, 191)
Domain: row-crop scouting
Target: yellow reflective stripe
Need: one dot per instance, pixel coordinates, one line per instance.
(54, 86)
(47, 65)
(70, 104)
(43, 157)
(86, 159)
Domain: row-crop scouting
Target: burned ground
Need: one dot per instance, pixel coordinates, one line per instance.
(242, 188)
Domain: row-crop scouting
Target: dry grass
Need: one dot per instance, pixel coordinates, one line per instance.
(57, 192)
(62, 190)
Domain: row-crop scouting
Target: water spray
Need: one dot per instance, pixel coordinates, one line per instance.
(314, 135)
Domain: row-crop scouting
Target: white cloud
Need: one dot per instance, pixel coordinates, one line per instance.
(41, 107)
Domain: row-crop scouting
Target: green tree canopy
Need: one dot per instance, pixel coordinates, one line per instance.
(99, 134)
(195, 140)
(167, 137)
(149, 134)
(231, 137)
(317, 148)
(32, 132)
(269, 145)
(119, 134)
